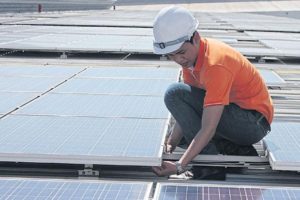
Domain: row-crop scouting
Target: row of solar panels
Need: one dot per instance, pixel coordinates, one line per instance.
(93, 43)
(107, 190)
(48, 5)
(91, 115)
(107, 115)
(143, 18)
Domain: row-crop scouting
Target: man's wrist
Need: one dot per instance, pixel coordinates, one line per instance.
(179, 168)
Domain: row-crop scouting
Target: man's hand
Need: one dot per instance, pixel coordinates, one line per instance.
(169, 148)
(167, 168)
(173, 139)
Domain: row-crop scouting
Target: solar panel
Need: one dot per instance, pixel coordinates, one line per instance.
(283, 145)
(100, 20)
(81, 140)
(72, 42)
(10, 101)
(247, 21)
(33, 71)
(19, 188)
(97, 106)
(283, 44)
(114, 86)
(272, 35)
(75, 30)
(26, 84)
(214, 192)
(259, 51)
(130, 73)
(140, 44)
(88, 42)
(271, 78)
(13, 37)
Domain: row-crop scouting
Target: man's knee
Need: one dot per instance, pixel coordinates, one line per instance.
(175, 92)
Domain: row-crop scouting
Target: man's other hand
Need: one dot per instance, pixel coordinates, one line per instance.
(167, 168)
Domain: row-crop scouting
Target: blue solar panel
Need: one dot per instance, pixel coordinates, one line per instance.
(97, 106)
(271, 78)
(28, 84)
(81, 140)
(29, 189)
(131, 73)
(115, 86)
(283, 145)
(198, 192)
(33, 71)
(10, 101)
(74, 42)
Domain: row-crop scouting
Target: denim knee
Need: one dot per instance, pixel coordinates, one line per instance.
(174, 92)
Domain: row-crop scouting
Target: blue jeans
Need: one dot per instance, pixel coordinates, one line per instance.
(239, 126)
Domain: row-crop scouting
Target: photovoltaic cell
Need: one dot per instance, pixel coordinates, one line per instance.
(283, 145)
(29, 189)
(72, 42)
(140, 44)
(28, 84)
(273, 35)
(100, 20)
(97, 106)
(81, 140)
(271, 78)
(8, 30)
(283, 44)
(255, 51)
(130, 73)
(115, 86)
(36, 71)
(211, 192)
(10, 101)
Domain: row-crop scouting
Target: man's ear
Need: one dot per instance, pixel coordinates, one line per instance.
(196, 38)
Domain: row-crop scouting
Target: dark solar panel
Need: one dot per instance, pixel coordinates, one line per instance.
(198, 192)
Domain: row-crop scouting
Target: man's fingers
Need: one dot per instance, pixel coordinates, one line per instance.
(166, 169)
(157, 170)
(169, 148)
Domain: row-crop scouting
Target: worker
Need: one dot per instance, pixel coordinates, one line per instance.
(222, 106)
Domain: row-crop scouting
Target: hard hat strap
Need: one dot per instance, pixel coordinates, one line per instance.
(163, 45)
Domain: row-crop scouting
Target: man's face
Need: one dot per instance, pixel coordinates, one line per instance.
(186, 55)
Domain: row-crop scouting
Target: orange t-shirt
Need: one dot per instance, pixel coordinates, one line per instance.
(228, 77)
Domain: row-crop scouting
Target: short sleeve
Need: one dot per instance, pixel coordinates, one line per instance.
(218, 82)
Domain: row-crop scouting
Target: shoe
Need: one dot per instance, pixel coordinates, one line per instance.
(227, 147)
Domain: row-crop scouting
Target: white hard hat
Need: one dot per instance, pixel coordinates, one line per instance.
(171, 28)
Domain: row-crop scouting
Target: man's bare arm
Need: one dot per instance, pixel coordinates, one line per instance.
(210, 119)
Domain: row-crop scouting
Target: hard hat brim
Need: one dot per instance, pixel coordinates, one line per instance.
(167, 50)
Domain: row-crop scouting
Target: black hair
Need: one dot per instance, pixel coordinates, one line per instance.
(192, 38)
